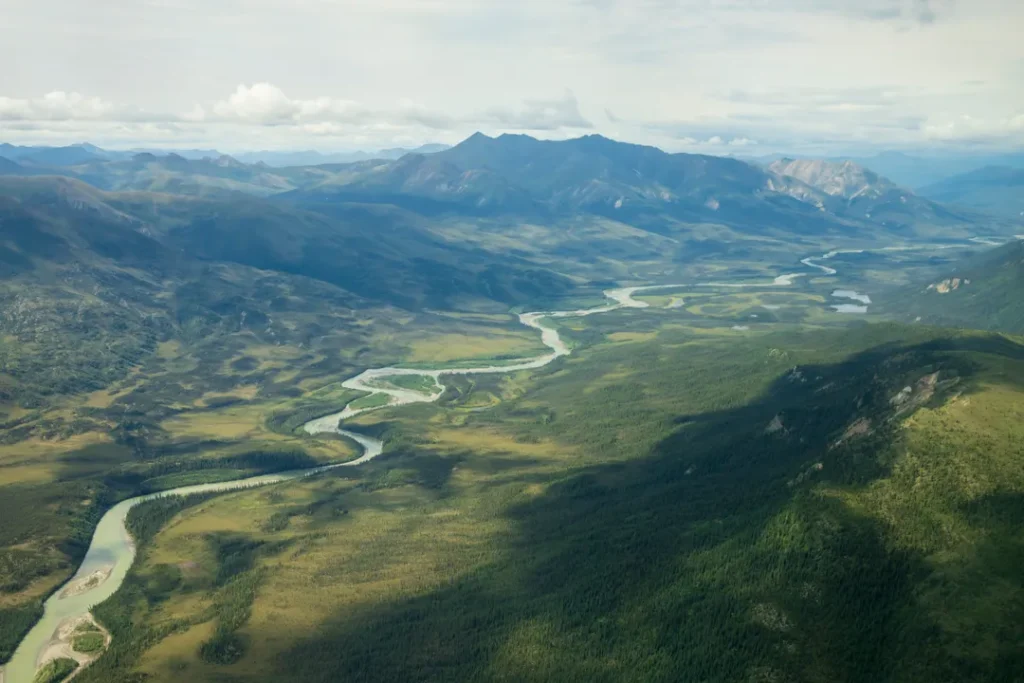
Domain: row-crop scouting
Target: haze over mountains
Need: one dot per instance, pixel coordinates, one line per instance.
(915, 171)
(994, 189)
(84, 153)
(169, 319)
(439, 230)
(520, 175)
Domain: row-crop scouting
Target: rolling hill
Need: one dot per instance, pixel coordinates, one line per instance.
(984, 292)
(994, 189)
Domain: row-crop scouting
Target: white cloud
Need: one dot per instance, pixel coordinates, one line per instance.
(264, 103)
(968, 128)
(55, 106)
(541, 115)
(783, 73)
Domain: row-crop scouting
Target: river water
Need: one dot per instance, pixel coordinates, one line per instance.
(112, 547)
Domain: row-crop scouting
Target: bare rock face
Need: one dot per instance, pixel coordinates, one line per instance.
(837, 179)
(775, 426)
(947, 286)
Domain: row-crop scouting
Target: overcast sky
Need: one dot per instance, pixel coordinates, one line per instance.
(717, 76)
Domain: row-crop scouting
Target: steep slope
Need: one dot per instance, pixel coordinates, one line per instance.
(176, 174)
(377, 252)
(997, 190)
(72, 155)
(424, 183)
(858, 193)
(222, 176)
(519, 175)
(815, 506)
(8, 167)
(984, 292)
(846, 180)
(380, 253)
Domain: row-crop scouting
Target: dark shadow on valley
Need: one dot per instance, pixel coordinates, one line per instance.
(713, 559)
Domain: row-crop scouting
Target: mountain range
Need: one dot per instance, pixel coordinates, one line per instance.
(520, 175)
(916, 171)
(997, 190)
(776, 478)
(82, 153)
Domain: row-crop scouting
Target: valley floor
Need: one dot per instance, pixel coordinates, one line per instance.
(631, 513)
(735, 471)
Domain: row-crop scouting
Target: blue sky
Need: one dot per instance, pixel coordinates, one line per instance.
(713, 76)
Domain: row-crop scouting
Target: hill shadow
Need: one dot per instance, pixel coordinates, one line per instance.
(712, 559)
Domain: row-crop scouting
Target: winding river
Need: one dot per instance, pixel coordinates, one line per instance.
(112, 551)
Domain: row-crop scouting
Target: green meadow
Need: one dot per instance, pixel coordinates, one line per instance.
(685, 502)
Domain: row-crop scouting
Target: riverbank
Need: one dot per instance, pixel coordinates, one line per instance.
(111, 539)
(62, 643)
(86, 583)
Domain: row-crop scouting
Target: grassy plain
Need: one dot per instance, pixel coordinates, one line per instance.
(190, 409)
(682, 503)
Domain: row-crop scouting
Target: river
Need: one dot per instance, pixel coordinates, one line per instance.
(112, 551)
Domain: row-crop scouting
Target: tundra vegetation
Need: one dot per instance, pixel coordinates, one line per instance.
(822, 497)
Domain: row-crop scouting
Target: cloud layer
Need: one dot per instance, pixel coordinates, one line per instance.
(705, 75)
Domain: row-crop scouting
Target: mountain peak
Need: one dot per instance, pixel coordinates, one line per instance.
(227, 160)
(478, 137)
(836, 178)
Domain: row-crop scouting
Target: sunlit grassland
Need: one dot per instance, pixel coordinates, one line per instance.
(397, 538)
(420, 383)
(475, 504)
(633, 376)
(448, 347)
(371, 401)
(194, 410)
(35, 460)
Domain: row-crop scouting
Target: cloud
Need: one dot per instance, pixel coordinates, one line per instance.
(915, 11)
(541, 115)
(334, 73)
(265, 106)
(264, 103)
(966, 128)
(55, 106)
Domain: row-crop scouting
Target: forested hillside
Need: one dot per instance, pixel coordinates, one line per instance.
(728, 478)
(793, 506)
(983, 292)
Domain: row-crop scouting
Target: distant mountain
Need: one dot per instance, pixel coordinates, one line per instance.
(90, 281)
(517, 174)
(993, 189)
(314, 158)
(378, 253)
(8, 167)
(193, 154)
(920, 171)
(914, 172)
(847, 179)
(59, 156)
(221, 176)
(85, 152)
(854, 191)
(983, 292)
